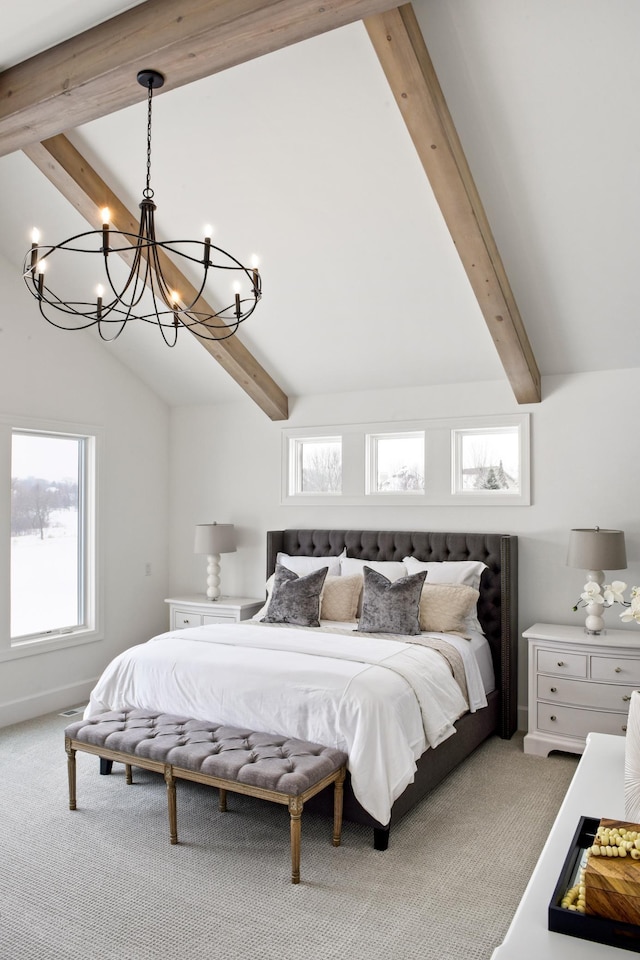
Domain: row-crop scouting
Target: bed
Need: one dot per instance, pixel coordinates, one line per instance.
(235, 671)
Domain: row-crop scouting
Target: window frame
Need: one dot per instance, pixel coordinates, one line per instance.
(438, 458)
(88, 532)
(372, 441)
(488, 426)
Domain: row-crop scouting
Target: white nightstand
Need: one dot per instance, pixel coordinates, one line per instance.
(578, 683)
(196, 610)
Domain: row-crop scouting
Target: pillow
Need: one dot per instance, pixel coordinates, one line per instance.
(295, 599)
(452, 571)
(304, 565)
(391, 606)
(392, 569)
(446, 607)
(340, 598)
(448, 571)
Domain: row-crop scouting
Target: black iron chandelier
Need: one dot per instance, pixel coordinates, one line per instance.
(145, 294)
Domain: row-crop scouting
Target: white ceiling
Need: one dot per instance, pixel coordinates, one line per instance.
(302, 157)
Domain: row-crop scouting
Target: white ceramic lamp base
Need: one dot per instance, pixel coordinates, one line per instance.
(594, 622)
(213, 576)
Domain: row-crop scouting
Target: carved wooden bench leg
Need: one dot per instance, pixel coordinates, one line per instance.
(295, 810)
(338, 795)
(128, 773)
(222, 800)
(171, 799)
(71, 772)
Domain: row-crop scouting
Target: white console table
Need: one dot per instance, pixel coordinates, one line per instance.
(597, 790)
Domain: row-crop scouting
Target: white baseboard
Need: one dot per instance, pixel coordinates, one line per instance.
(27, 708)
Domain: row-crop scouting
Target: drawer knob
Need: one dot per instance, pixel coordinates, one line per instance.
(185, 621)
(626, 699)
(554, 689)
(618, 670)
(552, 718)
(561, 663)
(624, 729)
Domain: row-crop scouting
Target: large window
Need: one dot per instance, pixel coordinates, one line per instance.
(52, 575)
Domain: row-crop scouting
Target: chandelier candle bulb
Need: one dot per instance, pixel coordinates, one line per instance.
(35, 240)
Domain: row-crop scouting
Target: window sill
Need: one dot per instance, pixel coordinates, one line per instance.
(37, 645)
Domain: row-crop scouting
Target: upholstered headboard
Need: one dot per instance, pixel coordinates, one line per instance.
(498, 603)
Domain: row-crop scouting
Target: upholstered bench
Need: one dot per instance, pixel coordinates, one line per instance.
(263, 765)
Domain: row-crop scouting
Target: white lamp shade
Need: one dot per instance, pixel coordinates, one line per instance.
(214, 538)
(597, 549)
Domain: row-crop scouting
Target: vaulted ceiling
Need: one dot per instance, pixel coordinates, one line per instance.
(407, 237)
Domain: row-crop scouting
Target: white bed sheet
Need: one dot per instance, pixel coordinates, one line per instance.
(382, 701)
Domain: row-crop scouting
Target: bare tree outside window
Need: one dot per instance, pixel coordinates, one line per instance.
(321, 466)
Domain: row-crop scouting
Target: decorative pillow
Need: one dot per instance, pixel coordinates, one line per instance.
(452, 571)
(391, 606)
(392, 569)
(446, 607)
(295, 599)
(304, 565)
(340, 598)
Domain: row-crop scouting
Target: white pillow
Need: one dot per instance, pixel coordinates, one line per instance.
(391, 569)
(304, 565)
(448, 571)
(452, 571)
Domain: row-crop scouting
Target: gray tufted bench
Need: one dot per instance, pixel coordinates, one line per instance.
(262, 765)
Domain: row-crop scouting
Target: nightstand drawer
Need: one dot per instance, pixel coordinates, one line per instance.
(219, 618)
(182, 619)
(561, 663)
(574, 722)
(584, 693)
(621, 669)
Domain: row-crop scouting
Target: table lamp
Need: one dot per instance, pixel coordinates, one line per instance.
(214, 539)
(595, 551)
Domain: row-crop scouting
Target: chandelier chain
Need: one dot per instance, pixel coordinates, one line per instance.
(148, 192)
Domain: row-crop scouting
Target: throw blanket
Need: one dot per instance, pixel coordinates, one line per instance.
(381, 701)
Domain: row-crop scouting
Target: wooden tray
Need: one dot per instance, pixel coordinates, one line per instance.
(614, 933)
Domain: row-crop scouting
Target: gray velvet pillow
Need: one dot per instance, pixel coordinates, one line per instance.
(295, 599)
(391, 606)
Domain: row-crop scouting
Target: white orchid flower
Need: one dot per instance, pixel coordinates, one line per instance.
(631, 613)
(592, 593)
(613, 592)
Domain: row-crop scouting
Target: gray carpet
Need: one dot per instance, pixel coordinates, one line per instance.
(103, 882)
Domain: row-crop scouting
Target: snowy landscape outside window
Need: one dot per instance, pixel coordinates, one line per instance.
(49, 545)
(395, 463)
(316, 466)
(487, 461)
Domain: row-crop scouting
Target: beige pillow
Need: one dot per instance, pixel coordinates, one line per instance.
(444, 607)
(340, 598)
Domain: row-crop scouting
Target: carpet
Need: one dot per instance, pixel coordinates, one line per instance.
(103, 882)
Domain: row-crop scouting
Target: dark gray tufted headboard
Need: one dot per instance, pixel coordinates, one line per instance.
(498, 603)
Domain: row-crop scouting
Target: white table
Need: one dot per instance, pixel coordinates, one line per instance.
(597, 790)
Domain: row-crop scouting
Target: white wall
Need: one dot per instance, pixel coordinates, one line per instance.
(69, 377)
(226, 467)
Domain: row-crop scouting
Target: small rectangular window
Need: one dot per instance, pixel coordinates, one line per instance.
(49, 534)
(487, 461)
(315, 466)
(395, 463)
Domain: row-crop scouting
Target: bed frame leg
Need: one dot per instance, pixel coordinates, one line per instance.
(381, 838)
(105, 766)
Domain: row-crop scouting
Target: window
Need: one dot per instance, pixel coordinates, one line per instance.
(395, 463)
(487, 461)
(52, 574)
(315, 466)
(445, 462)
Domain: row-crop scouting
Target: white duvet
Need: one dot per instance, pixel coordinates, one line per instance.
(381, 701)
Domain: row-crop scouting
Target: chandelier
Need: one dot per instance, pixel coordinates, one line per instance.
(144, 294)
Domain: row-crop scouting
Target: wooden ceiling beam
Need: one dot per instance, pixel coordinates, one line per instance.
(76, 180)
(401, 49)
(94, 73)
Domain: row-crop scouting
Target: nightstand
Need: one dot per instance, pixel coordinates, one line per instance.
(578, 683)
(196, 610)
